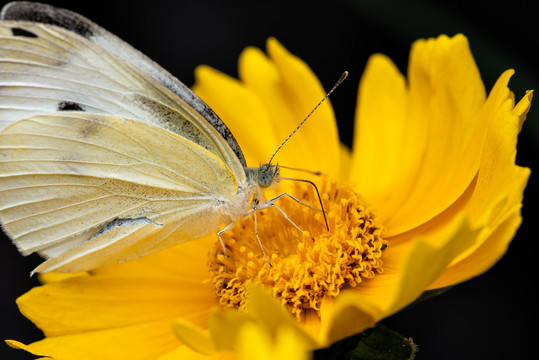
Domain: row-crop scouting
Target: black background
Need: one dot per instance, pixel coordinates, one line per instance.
(490, 317)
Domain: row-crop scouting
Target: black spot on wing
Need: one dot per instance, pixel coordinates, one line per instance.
(170, 119)
(70, 106)
(123, 222)
(200, 106)
(22, 32)
(47, 14)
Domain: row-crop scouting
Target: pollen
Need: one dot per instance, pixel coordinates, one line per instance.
(305, 266)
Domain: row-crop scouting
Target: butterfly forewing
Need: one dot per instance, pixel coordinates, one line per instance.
(82, 27)
(56, 69)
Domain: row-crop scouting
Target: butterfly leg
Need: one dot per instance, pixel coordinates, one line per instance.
(271, 202)
(266, 204)
(286, 217)
(258, 238)
(221, 240)
(253, 210)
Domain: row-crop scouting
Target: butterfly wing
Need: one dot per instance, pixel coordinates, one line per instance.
(88, 189)
(83, 196)
(54, 59)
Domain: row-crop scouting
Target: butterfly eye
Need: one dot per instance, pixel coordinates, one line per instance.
(264, 179)
(265, 176)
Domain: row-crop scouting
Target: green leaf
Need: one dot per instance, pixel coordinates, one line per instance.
(381, 343)
(378, 343)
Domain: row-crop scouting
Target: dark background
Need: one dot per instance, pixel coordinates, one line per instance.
(490, 317)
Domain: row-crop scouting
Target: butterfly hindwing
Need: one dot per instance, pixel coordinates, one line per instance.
(66, 176)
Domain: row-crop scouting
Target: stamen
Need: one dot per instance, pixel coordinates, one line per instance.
(303, 271)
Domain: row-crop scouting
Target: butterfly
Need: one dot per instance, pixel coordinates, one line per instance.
(105, 156)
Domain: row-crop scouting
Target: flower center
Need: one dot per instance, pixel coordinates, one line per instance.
(305, 267)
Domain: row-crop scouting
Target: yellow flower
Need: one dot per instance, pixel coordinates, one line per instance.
(428, 197)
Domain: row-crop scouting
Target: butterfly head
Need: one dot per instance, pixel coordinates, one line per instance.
(264, 176)
(268, 175)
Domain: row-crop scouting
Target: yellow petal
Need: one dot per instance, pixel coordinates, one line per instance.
(261, 75)
(444, 134)
(498, 174)
(409, 267)
(184, 352)
(495, 203)
(384, 147)
(345, 161)
(263, 309)
(165, 264)
(424, 259)
(347, 315)
(484, 256)
(305, 90)
(141, 341)
(224, 327)
(246, 336)
(256, 343)
(522, 108)
(289, 91)
(241, 110)
(56, 277)
(195, 337)
(85, 304)
(446, 95)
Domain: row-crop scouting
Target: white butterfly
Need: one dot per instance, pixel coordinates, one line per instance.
(105, 156)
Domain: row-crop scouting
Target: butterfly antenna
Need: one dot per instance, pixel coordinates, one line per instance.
(317, 194)
(341, 79)
(317, 173)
